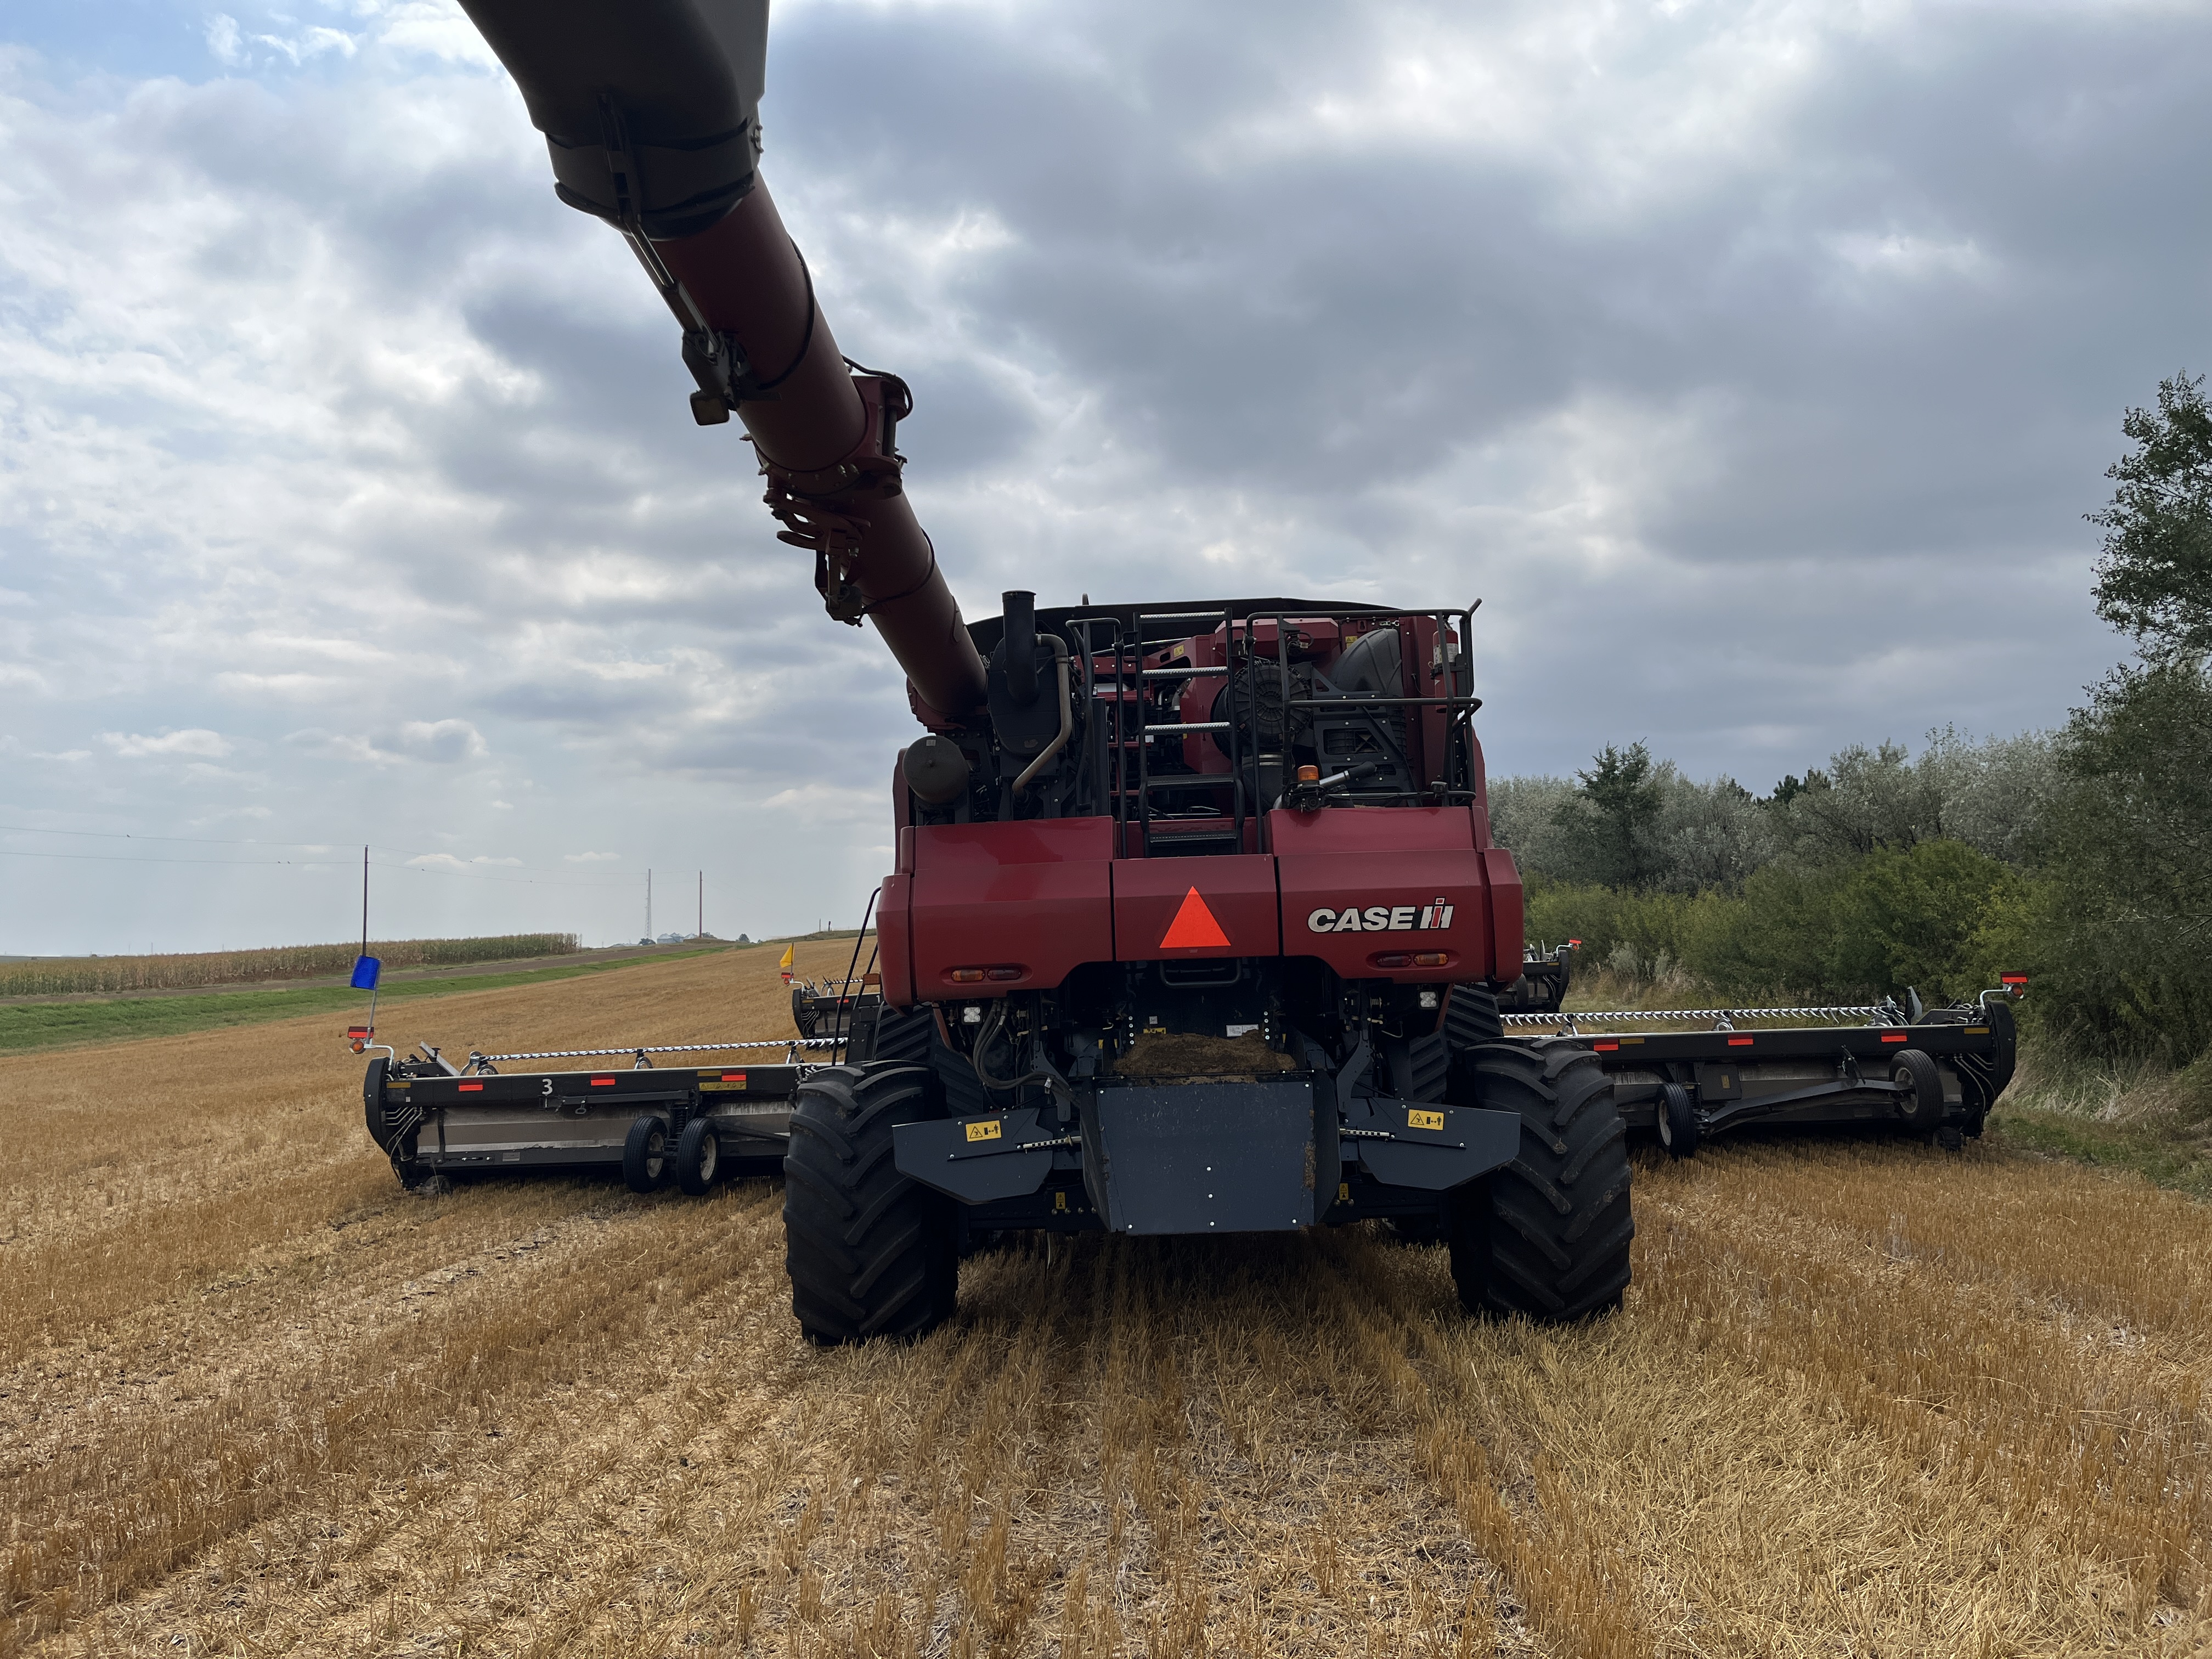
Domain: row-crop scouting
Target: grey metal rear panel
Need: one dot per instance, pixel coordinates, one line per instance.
(498, 1134)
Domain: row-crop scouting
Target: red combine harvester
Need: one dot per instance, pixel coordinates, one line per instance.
(1197, 925)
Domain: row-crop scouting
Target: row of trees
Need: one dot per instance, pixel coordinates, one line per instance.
(2081, 856)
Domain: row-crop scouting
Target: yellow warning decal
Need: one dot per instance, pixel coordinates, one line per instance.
(987, 1130)
(399, 1083)
(1060, 1200)
(1977, 1031)
(1417, 1118)
(1343, 1192)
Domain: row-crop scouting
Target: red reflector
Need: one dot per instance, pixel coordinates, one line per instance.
(1193, 927)
(602, 1082)
(472, 1088)
(1393, 959)
(356, 1030)
(1605, 1048)
(1895, 1037)
(1739, 1042)
(2011, 979)
(733, 1076)
(1004, 972)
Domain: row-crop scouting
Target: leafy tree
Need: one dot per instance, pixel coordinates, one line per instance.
(1912, 919)
(1605, 826)
(1792, 786)
(2120, 936)
(2155, 578)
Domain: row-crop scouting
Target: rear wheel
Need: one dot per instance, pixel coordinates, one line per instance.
(645, 1154)
(1919, 1091)
(1678, 1120)
(1547, 1235)
(698, 1155)
(870, 1252)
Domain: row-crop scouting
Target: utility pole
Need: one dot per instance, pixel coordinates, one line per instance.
(648, 906)
(702, 933)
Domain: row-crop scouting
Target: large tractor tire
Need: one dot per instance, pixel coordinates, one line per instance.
(1547, 1235)
(870, 1252)
(1471, 1017)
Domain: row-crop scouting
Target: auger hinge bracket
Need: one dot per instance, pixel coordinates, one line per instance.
(725, 375)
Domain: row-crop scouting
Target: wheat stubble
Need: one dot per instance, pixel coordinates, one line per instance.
(1864, 1399)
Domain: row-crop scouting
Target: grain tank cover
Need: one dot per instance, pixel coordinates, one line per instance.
(651, 108)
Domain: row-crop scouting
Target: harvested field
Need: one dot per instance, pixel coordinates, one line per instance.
(1865, 1399)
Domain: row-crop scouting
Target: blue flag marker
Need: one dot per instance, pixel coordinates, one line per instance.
(366, 970)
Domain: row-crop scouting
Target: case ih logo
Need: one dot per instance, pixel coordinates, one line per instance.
(1381, 918)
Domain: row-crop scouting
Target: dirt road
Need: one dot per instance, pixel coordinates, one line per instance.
(1865, 1399)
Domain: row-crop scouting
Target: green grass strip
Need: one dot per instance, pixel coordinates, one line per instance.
(2159, 1154)
(27, 1025)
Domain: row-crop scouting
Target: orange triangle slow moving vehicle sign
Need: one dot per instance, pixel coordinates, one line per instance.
(1193, 927)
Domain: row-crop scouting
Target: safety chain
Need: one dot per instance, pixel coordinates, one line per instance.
(1721, 1019)
(671, 1049)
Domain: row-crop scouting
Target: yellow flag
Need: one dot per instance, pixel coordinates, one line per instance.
(786, 963)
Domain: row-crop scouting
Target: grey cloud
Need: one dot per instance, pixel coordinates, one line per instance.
(1754, 364)
(438, 743)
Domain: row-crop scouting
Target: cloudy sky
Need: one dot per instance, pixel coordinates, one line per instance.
(1752, 362)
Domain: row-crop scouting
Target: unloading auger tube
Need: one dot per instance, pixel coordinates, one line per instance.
(651, 110)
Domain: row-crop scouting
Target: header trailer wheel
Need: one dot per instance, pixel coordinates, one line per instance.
(645, 1156)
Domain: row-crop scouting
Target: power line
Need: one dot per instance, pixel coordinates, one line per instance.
(218, 841)
(318, 864)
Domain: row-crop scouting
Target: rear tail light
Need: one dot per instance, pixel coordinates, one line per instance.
(967, 975)
(1412, 959)
(1003, 973)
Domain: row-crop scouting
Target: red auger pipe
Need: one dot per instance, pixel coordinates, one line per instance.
(745, 276)
(650, 113)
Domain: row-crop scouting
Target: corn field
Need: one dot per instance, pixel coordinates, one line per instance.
(68, 974)
(1864, 1399)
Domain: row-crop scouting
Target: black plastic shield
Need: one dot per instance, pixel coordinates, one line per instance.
(976, 1160)
(1429, 1148)
(1205, 1158)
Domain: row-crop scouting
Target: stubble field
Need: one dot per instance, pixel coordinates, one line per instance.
(1865, 1399)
